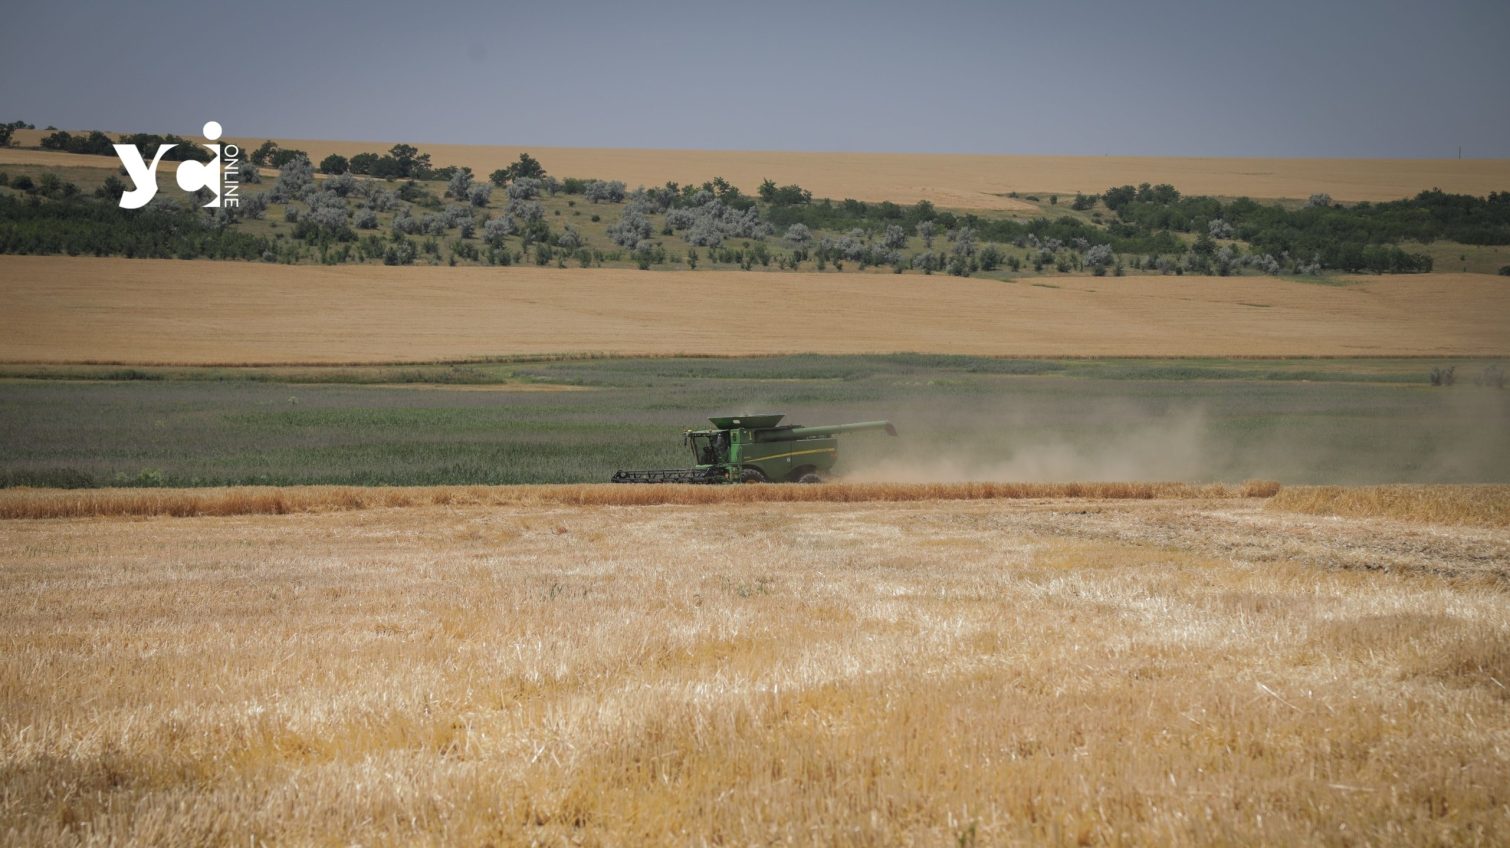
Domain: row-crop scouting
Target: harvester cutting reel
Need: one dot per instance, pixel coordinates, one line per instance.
(673, 475)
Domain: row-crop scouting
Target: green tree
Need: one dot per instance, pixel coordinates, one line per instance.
(282, 156)
(527, 166)
(264, 153)
(410, 162)
(335, 163)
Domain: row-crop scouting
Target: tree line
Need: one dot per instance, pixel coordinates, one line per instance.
(1149, 227)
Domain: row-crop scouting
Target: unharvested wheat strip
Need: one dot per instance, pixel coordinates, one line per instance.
(264, 500)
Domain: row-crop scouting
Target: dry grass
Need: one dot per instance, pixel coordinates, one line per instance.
(56, 159)
(275, 500)
(985, 672)
(62, 309)
(1476, 506)
(958, 181)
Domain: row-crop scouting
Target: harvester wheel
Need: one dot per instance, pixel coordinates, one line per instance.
(810, 477)
(752, 475)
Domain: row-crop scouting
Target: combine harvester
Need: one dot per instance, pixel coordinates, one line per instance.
(756, 449)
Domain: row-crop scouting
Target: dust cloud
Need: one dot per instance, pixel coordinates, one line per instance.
(1174, 447)
(1457, 436)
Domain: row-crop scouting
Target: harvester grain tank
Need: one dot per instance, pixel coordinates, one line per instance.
(757, 449)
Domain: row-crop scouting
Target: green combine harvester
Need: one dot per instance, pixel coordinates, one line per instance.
(756, 449)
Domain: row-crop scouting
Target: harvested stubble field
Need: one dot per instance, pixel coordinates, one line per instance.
(62, 309)
(947, 180)
(1164, 671)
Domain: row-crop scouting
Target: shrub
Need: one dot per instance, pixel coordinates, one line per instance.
(524, 188)
(111, 189)
(964, 242)
(631, 228)
(460, 184)
(342, 184)
(496, 229)
(400, 251)
(604, 191)
(525, 211)
(704, 232)
(294, 179)
(54, 186)
(335, 163)
(329, 218)
(926, 231)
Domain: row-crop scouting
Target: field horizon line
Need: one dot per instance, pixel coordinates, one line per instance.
(596, 356)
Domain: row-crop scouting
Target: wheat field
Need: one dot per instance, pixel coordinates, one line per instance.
(1482, 506)
(282, 500)
(1133, 672)
(948, 180)
(86, 309)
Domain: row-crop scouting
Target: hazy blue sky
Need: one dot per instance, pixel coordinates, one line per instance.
(1172, 77)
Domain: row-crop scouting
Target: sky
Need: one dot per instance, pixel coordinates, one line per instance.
(1162, 78)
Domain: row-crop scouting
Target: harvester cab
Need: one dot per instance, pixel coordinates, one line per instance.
(709, 447)
(757, 449)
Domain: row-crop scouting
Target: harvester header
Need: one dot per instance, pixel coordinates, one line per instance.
(757, 449)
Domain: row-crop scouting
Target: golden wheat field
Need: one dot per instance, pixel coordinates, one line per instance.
(85, 309)
(1147, 671)
(281, 500)
(948, 180)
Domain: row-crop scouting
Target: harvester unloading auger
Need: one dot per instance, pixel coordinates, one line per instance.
(757, 449)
